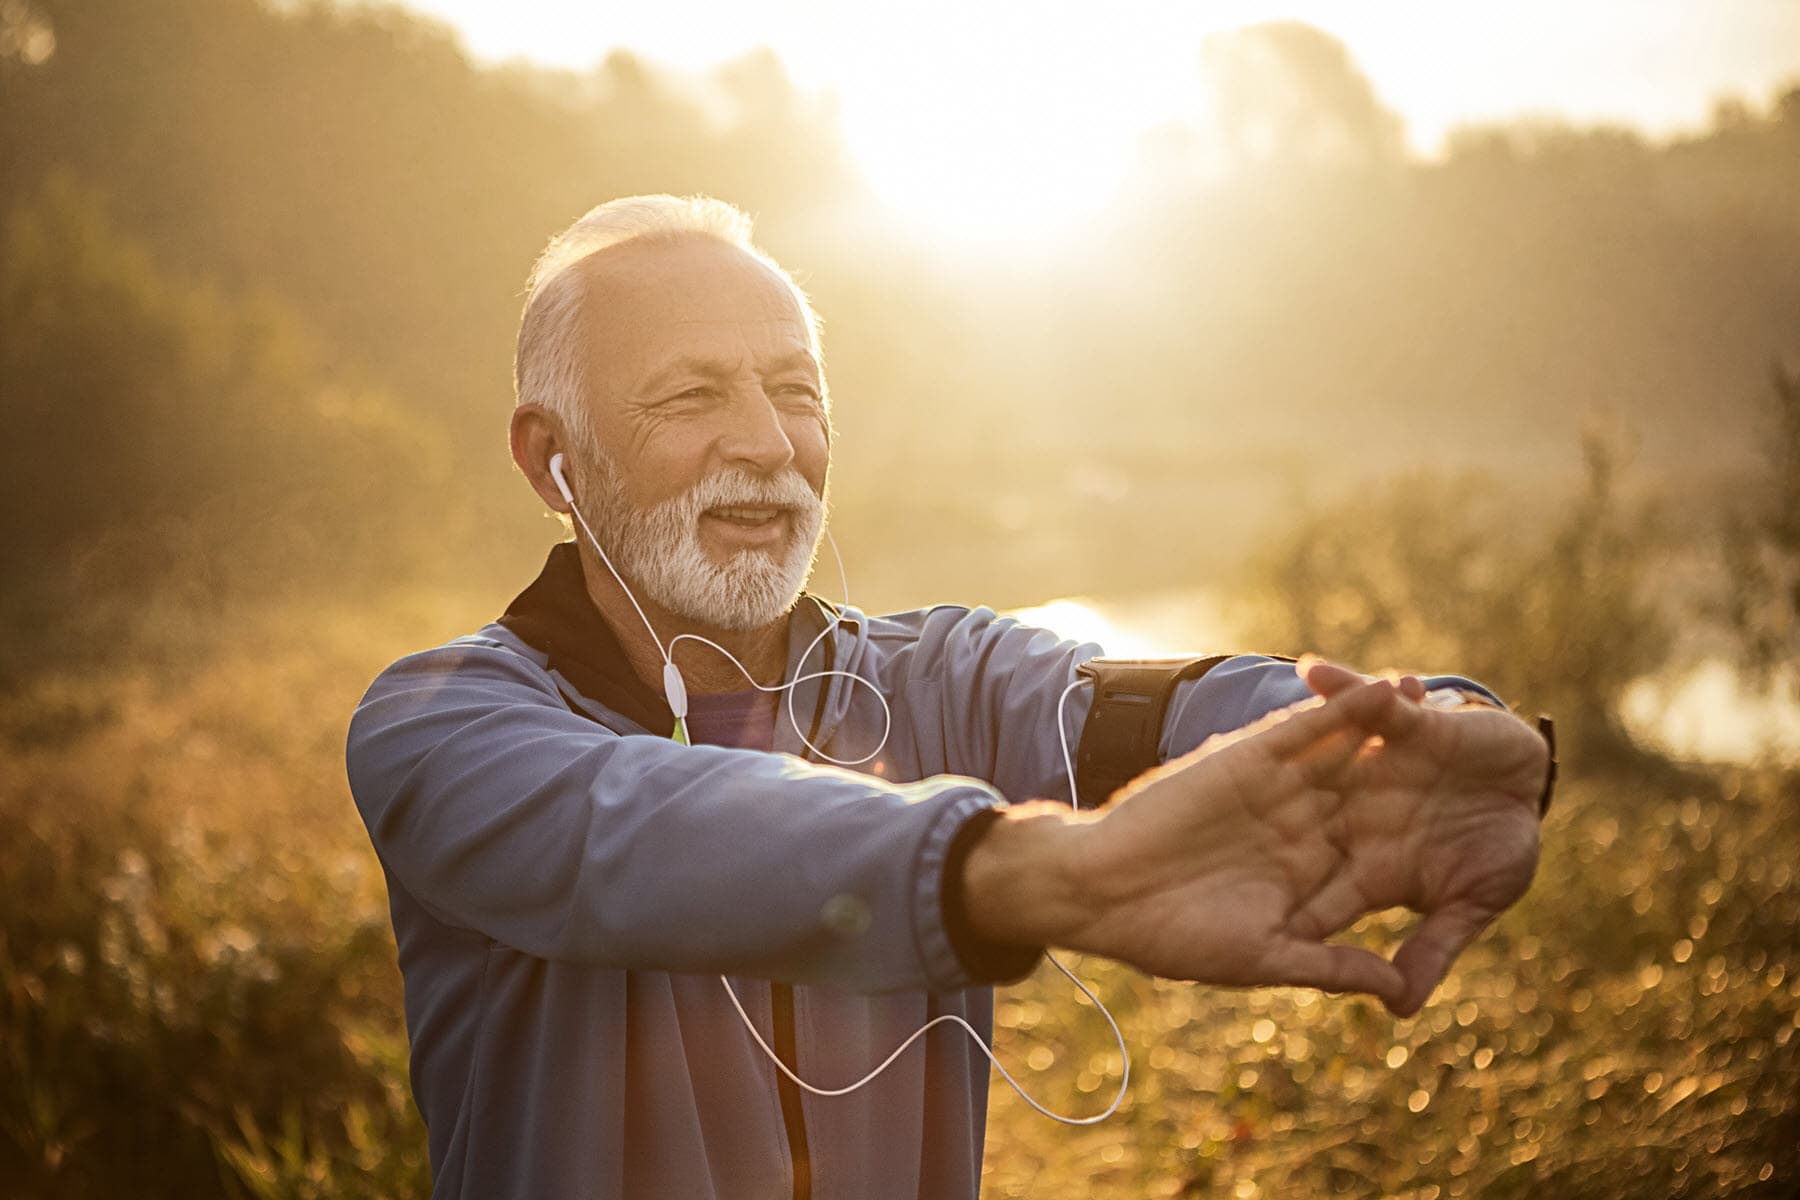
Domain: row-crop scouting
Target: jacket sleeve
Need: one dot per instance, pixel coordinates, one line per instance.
(502, 812)
(1247, 688)
(992, 688)
(1003, 683)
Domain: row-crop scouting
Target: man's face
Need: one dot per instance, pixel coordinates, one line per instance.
(707, 483)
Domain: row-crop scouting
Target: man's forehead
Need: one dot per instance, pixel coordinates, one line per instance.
(773, 326)
(695, 301)
(690, 281)
(724, 338)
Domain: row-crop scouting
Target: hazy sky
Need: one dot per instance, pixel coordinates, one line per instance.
(1049, 98)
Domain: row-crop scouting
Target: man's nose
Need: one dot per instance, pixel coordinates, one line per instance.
(756, 438)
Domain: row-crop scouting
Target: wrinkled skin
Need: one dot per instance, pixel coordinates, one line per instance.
(1235, 864)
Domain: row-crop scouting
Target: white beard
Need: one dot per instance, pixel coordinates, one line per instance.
(658, 548)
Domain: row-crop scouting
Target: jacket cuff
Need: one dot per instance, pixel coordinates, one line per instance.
(979, 959)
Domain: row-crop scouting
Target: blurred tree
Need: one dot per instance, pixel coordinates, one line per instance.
(352, 162)
(1288, 93)
(1762, 548)
(1437, 573)
(163, 430)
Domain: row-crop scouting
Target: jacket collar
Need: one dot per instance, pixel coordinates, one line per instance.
(555, 616)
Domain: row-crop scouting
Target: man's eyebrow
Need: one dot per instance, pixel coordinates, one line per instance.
(788, 362)
(687, 364)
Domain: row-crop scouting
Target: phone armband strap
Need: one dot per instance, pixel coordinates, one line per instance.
(1124, 724)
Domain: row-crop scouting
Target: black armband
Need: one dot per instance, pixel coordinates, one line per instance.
(1123, 734)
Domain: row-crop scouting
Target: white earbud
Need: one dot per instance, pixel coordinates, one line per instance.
(556, 473)
(675, 690)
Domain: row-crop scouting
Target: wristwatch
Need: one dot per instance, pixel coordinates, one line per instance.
(1447, 698)
(1455, 697)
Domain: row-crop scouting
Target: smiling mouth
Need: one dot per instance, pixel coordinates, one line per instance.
(763, 526)
(746, 516)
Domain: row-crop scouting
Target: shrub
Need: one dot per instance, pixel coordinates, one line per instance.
(1762, 549)
(1440, 573)
(198, 991)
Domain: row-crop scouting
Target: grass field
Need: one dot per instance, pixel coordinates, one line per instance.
(198, 994)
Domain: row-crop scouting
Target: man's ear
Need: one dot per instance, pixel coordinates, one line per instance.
(536, 434)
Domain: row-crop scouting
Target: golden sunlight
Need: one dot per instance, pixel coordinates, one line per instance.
(1176, 328)
(1006, 124)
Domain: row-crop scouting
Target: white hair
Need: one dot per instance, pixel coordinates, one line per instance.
(551, 359)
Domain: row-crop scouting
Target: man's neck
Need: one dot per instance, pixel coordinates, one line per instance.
(763, 651)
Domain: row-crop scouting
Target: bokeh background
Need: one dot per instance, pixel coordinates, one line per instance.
(1420, 335)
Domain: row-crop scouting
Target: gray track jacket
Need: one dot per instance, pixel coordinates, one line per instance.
(567, 884)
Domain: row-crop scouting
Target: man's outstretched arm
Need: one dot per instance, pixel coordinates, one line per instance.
(1236, 863)
(502, 812)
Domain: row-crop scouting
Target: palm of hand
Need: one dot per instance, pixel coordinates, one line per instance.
(1234, 864)
(1442, 818)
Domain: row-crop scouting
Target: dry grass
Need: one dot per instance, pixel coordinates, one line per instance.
(198, 993)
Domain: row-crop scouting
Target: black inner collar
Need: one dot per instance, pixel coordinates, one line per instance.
(556, 616)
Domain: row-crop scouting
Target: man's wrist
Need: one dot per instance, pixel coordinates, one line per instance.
(1017, 882)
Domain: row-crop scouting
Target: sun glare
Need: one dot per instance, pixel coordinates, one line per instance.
(1006, 129)
(1007, 123)
(1082, 620)
(995, 123)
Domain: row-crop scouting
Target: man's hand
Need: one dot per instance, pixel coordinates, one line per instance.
(1234, 864)
(1469, 780)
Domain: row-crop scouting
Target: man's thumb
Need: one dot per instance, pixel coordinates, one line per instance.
(1425, 957)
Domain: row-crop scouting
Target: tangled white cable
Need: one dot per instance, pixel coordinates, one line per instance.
(675, 691)
(887, 714)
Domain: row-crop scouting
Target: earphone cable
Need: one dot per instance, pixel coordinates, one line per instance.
(601, 550)
(887, 716)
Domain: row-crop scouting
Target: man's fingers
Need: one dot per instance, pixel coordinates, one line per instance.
(1331, 968)
(1329, 678)
(1296, 729)
(1396, 721)
(1324, 762)
(1337, 905)
(1426, 956)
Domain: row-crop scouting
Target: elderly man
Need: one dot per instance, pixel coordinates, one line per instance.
(589, 818)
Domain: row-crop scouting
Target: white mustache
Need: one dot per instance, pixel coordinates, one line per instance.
(740, 489)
